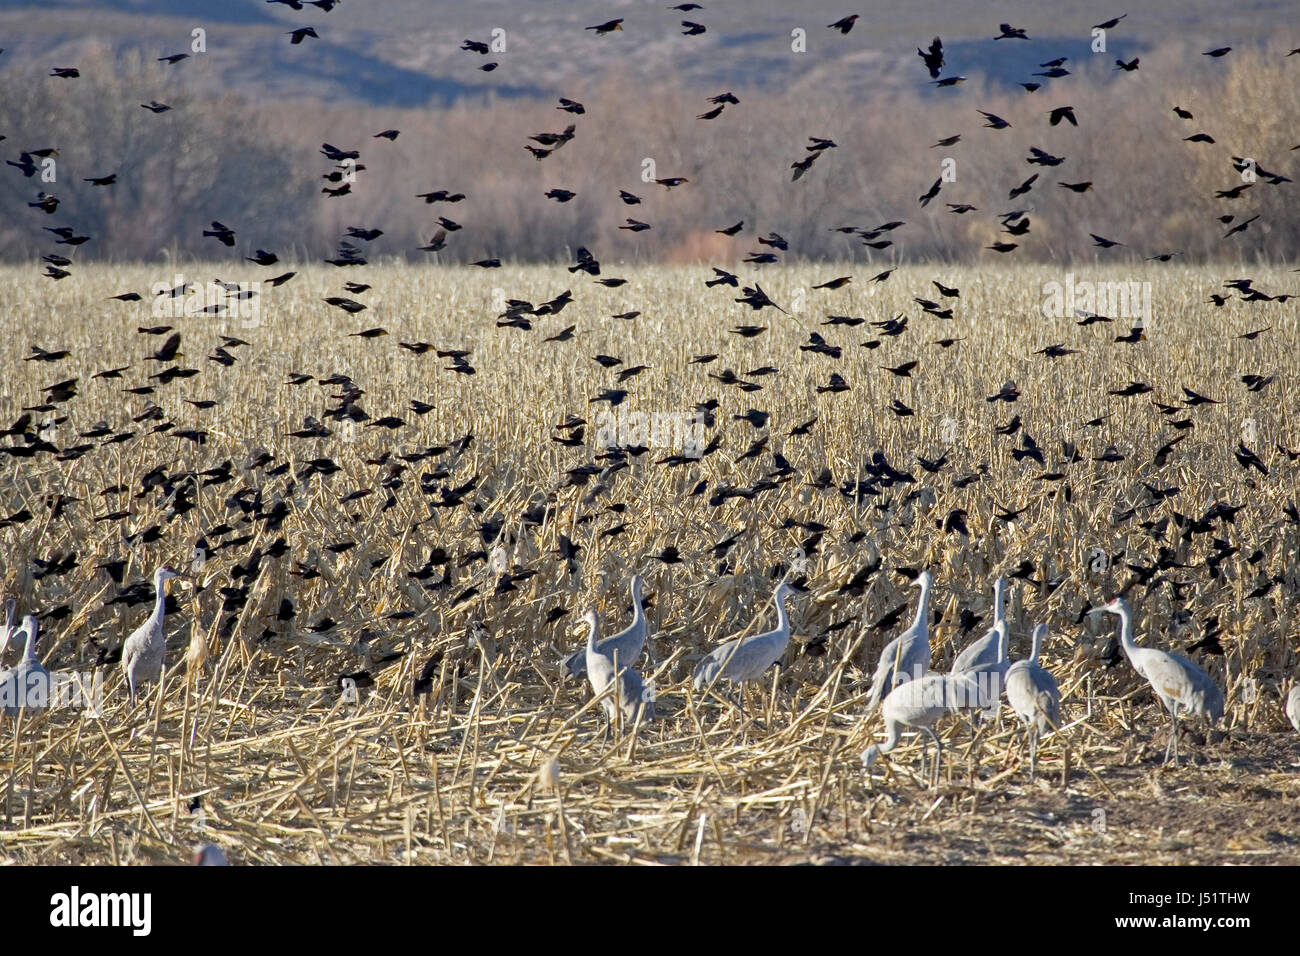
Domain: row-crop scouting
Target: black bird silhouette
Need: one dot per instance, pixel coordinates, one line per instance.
(1024, 187)
(933, 57)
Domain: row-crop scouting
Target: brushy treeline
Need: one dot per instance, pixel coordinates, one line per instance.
(256, 167)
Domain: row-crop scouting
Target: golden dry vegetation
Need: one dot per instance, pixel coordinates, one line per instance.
(501, 759)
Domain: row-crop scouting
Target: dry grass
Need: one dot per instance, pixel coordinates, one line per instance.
(503, 760)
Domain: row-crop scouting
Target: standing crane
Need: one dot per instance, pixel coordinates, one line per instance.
(604, 668)
(916, 705)
(27, 685)
(986, 677)
(909, 653)
(629, 643)
(7, 629)
(745, 659)
(986, 650)
(1180, 684)
(1033, 694)
(143, 652)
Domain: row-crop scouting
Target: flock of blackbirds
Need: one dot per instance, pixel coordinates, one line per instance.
(1189, 546)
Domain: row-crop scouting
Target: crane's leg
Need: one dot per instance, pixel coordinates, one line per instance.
(1033, 750)
(1175, 719)
(938, 757)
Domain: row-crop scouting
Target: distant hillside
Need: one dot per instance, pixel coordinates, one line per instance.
(407, 52)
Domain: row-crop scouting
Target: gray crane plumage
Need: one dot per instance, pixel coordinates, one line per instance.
(144, 651)
(987, 649)
(1034, 695)
(28, 684)
(987, 678)
(1293, 706)
(745, 659)
(629, 642)
(627, 695)
(906, 655)
(8, 630)
(1179, 683)
(916, 705)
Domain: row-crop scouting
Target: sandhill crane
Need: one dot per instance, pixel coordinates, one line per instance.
(909, 653)
(987, 677)
(1293, 706)
(1179, 683)
(986, 650)
(745, 659)
(628, 643)
(144, 650)
(1034, 695)
(7, 629)
(627, 695)
(916, 705)
(27, 685)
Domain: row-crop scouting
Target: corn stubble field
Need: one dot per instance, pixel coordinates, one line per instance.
(502, 759)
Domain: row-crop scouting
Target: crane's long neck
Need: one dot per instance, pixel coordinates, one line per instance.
(159, 601)
(1037, 645)
(29, 648)
(1004, 641)
(7, 634)
(638, 613)
(919, 622)
(1126, 632)
(782, 619)
(593, 627)
(999, 600)
(893, 733)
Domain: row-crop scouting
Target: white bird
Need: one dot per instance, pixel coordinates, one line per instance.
(143, 652)
(745, 659)
(916, 705)
(28, 684)
(908, 654)
(629, 642)
(985, 650)
(1180, 684)
(1033, 694)
(627, 695)
(1293, 706)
